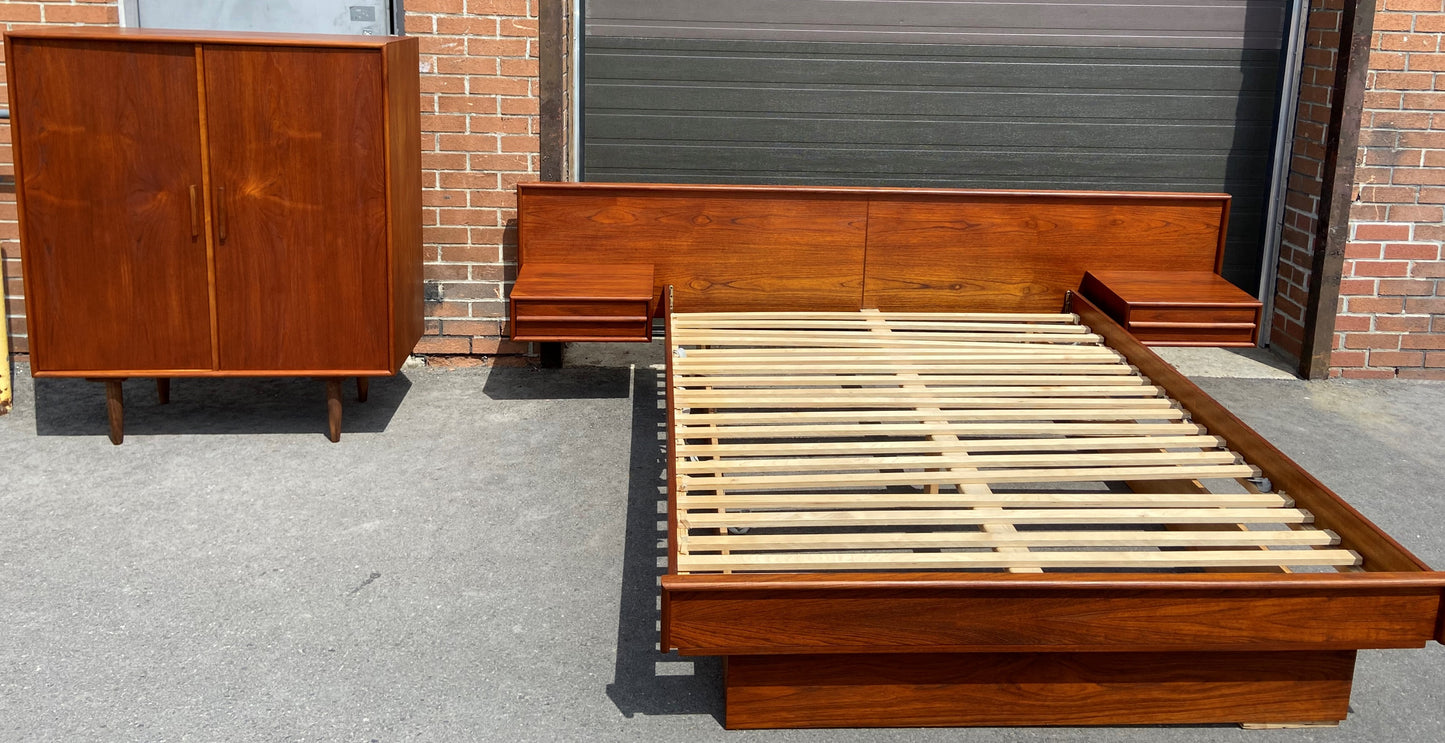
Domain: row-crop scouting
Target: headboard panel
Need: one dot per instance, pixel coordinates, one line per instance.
(1018, 252)
(729, 248)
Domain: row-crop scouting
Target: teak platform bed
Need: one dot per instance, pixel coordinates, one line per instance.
(913, 479)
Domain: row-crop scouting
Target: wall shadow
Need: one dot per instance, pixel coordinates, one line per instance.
(250, 405)
(572, 383)
(646, 681)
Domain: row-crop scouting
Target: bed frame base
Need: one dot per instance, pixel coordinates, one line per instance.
(988, 689)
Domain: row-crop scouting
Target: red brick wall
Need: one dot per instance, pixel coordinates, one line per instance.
(1392, 321)
(1306, 175)
(479, 138)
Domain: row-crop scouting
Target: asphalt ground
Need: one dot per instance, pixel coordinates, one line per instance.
(477, 559)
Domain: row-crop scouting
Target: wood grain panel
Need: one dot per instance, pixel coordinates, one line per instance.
(114, 277)
(1022, 254)
(739, 248)
(721, 249)
(771, 622)
(301, 278)
(403, 122)
(1036, 689)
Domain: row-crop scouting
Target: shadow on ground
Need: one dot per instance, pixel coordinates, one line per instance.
(267, 405)
(646, 681)
(572, 383)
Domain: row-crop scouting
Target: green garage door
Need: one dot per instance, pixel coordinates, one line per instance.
(1164, 95)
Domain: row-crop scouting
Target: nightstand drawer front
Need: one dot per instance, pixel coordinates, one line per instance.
(637, 328)
(1245, 315)
(536, 309)
(1194, 334)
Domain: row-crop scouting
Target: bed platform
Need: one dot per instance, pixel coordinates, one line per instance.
(893, 519)
(913, 480)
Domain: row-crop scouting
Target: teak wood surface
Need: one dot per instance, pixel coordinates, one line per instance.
(217, 204)
(1186, 308)
(741, 248)
(818, 638)
(581, 301)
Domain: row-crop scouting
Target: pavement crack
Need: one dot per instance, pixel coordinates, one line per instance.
(369, 580)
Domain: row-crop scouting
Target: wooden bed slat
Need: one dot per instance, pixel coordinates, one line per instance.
(971, 445)
(1086, 474)
(1030, 538)
(697, 367)
(854, 430)
(1014, 516)
(999, 500)
(1031, 317)
(961, 415)
(689, 396)
(957, 380)
(958, 352)
(969, 461)
(862, 337)
(965, 560)
(851, 321)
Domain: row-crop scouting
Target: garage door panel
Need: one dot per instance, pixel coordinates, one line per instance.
(1156, 95)
(1194, 23)
(611, 127)
(1221, 71)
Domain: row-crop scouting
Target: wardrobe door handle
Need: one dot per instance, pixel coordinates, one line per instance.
(195, 214)
(221, 212)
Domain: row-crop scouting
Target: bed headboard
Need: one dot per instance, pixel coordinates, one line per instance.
(737, 248)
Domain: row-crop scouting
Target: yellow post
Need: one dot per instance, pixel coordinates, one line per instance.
(4, 355)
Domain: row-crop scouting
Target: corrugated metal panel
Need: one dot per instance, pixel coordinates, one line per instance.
(979, 115)
(1211, 24)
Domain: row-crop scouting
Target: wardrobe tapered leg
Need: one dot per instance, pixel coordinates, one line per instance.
(333, 409)
(163, 390)
(363, 386)
(115, 410)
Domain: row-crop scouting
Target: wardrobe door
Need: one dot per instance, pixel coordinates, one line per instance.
(299, 205)
(109, 151)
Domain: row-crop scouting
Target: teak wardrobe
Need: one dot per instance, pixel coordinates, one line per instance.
(202, 204)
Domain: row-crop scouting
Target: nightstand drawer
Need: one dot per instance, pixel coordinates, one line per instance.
(565, 302)
(1192, 315)
(1176, 308)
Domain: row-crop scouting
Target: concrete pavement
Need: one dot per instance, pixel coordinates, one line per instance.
(477, 560)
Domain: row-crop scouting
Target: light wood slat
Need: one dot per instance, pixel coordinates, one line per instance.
(969, 445)
(851, 339)
(1044, 317)
(705, 368)
(970, 461)
(1100, 499)
(685, 418)
(1013, 516)
(854, 430)
(990, 377)
(853, 323)
(1030, 538)
(1062, 396)
(862, 479)
(962, 352)
(973, 489)
(807, 379)
(977, 560)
